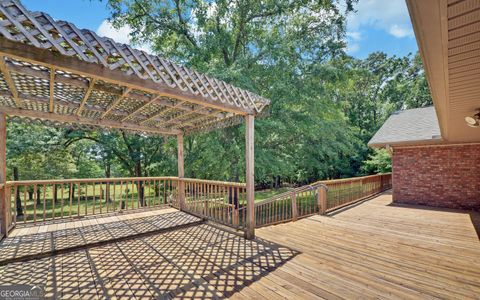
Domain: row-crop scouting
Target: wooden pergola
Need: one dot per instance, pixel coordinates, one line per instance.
(52, 71)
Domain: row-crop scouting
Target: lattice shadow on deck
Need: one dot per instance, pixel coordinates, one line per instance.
(45, 243)
(195, 262)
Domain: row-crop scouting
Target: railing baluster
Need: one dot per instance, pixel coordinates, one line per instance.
(15, 209)
(62, 201)
(44, 202)
(149, 191)
(86, 200)
(112, 195)
(25, 211)
(78, 199)
(121, 203)
(54, 196)
(35, 204)
(70, 192)
(94, 200)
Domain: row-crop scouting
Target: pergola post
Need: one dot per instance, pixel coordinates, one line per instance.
(3, 175)
(250, 178)
(181, 172)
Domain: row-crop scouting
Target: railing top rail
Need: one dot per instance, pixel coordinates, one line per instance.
(350, 179)
(293, 191)
(225, 183)
(86, 180)
(119, 179)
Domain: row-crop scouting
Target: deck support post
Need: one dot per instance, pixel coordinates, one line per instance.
(181, 172)
(250, 178)
(294, 207)
(322, 200)
(4, 207)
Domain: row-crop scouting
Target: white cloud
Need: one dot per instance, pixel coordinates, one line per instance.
(400, 32)
(354, 35)
(121, 35)
(352, 48)
(388, 15)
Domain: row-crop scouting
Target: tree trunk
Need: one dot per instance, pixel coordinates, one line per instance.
(107, 186)
(17, 196)
(39, 196)
(124, 202)
(72, 192)
(277, 182)
(140, 187)
(55, 193)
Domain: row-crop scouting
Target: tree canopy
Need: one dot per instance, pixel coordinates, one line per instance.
(325, 106)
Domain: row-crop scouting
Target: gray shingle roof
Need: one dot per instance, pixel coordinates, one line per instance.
(412, 126)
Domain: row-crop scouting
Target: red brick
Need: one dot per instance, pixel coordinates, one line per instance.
(440, 176)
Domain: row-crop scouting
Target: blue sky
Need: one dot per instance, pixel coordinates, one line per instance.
(378, 25)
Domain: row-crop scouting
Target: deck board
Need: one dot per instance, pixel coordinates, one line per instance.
(161, 265)
(378, 249)
(42, 239)
(371, 250)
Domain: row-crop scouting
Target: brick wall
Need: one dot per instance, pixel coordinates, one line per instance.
(442, 176)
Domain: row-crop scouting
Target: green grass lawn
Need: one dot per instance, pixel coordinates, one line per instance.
(264, 194)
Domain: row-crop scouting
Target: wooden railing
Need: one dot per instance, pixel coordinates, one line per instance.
(221, 202)
(343, 192)
(42, 200)
(38, 201)
(319, 197)
(7, 216)
(300, 202)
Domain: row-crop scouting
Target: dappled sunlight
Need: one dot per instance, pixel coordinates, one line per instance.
(37, 242)
(196, 262)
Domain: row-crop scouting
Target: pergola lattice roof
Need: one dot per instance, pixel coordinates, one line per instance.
(51, 70)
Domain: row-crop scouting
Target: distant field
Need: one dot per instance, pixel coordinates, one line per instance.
(264, 194)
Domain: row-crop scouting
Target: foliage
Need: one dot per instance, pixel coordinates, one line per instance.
(378, 162)
(370, 90)
(325, 105)
(35, 150)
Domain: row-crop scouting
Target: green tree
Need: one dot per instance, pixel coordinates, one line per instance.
(325, 105)
(274, 48)
(378, 162)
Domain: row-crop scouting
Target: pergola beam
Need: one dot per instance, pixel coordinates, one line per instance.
(116, 102)
(179, 117)
(73, 106)
(85, 97)
(44, 100)
(194, 122)
(49, 59)
(160, 113)
(134, 113)
(85, 121)
(85, 85)
(9, 80)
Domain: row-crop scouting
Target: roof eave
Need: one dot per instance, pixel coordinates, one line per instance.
(406, 143)
(429, 20)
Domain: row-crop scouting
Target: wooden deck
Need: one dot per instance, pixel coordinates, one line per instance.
(48, 238)
(372, 250)
(377, 250)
